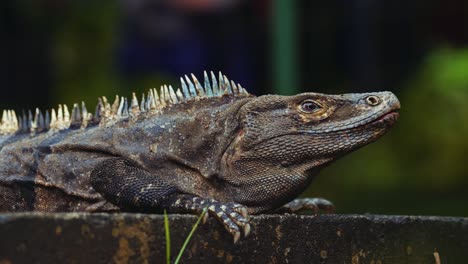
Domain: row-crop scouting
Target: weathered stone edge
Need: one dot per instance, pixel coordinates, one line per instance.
(129, 238)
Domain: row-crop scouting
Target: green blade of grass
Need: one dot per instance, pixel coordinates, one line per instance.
(168, 238)
(189, 236)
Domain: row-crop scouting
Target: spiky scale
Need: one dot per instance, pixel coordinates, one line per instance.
(153, 104)
(59, 115)
(157, 100)
(5, 123)
(222, 85)
(215, 85)
(173, 95)
(24, 122)
(75, 115)
(134, 102)
(179, 95)
(9, 116)
(134, 108)
(227, 85)
(15, 119)
(53, 120)
(208, 90)
(47, 120)
(121, 106)
(12, 123)
(20, 125)
(30, 119)
(162, 96)
(84, 111)
(241, 89)
(98, 111)
(42, 124)
(148, 101)
(198, 87)
(3, 127)
(167, 96)
(86, 117)
(235, 89)
(66, 116)
(35, 123)
(185, 90)
(115, 105)
(106, 107)
(125, 108)
(193, 92)
(9, 119)
(143, 103)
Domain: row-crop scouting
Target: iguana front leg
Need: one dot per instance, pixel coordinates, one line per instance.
(306, 204)
(131, 188)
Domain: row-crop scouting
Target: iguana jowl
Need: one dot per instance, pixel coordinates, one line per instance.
(214, 146)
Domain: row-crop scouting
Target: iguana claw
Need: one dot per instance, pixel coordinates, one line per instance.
(233, 217)
(246, 230)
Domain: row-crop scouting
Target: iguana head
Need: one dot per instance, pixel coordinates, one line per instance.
(311, 126)
(283, 141)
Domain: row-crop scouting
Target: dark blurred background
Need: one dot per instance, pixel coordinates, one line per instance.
(63, 51)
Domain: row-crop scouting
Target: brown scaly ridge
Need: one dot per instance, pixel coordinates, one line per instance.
(106, 113)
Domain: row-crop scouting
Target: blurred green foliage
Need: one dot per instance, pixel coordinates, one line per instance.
(83, 52)
(435, 122)
(83, 56)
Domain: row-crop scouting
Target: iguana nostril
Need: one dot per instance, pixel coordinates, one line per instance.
(372, 100)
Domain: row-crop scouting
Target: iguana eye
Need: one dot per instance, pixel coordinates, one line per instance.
(310, 106)
(372, 100)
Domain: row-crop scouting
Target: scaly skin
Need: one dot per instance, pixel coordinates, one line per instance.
(234, 154)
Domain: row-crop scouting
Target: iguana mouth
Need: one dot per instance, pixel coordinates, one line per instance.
(387, 119)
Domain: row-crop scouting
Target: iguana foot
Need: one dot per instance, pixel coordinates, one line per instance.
(234, 217)
(306, 204)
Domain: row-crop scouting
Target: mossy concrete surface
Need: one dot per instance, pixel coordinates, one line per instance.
(139, 238)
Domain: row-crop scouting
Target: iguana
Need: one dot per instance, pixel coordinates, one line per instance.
(216, 147)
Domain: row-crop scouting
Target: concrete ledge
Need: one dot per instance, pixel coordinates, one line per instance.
(139, 238)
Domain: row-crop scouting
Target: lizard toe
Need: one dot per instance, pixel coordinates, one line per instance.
(322, 204)
(239, 215)
(241, 221)
(242, 210)
(232, 218)
(309, 204)
(229, 224)
(311, 207)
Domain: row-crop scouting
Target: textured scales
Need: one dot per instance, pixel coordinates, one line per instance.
(213, 146)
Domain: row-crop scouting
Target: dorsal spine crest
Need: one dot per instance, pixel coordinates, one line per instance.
(106, 114)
